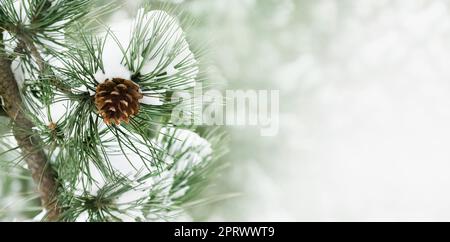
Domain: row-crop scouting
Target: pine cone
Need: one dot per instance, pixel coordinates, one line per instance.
(117, 100)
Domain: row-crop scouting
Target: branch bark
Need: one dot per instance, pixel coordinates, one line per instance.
(30, 144)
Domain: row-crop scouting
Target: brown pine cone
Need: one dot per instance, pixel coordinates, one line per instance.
(117, 100)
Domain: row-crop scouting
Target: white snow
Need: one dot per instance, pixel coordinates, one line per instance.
(151, 101)
(18, 72)
(20, 6)
(113, 68)
(194, 149)
(171, 49)
(40, 216)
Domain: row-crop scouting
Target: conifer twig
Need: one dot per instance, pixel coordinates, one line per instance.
(33, 154)
(31, 47)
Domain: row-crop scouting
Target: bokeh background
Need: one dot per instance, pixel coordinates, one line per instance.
(365, 94)
(364, 107)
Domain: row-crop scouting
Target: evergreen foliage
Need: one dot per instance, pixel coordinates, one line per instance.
(147, 169)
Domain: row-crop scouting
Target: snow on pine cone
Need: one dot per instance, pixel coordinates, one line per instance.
(117, 100)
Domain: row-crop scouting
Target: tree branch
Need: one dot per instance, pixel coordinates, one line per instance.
(30, 144)
(31, 47)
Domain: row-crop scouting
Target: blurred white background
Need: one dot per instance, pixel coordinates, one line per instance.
(365, 100)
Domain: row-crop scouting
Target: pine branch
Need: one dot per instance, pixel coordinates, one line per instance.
(62, 62)
(36, 159)
(31, 47)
